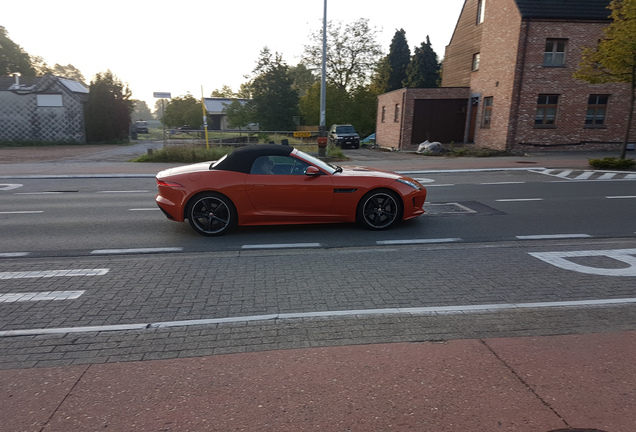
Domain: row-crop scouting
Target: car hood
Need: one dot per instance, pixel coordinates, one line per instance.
(185, 169)
(359, 171)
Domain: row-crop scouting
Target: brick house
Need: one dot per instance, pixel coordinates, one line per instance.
(47, 108)
(510, 63)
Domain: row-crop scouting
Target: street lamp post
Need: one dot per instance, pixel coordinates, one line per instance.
(323, 80)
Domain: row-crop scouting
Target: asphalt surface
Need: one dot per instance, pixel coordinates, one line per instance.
(527, 369)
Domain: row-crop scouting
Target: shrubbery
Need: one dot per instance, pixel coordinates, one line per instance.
(612, 163)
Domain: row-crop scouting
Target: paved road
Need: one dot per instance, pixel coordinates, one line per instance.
(469, 340)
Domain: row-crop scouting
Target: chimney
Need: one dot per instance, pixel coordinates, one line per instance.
(17, 78)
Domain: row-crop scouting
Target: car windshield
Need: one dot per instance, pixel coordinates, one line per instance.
(319, 163)
(218, 162)
(345, 129)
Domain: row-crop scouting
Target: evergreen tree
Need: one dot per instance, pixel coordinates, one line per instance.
(424, 69)
(399, 59)
(108, 109)
(380, 80)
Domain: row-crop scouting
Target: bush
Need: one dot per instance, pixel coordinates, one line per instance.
(185, 154)
(612, 163)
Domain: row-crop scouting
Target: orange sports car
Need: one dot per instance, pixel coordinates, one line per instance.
(277, 184)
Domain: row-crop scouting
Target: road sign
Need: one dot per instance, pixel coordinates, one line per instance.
(302, 134)
(162, 95)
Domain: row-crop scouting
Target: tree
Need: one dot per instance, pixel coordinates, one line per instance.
(380, 79)
(13, 58)
(141, 111)
(399, 59)
(239, 114)
(352, 52)
(69, 71)
(108, 109)
(224, 92)
(424, 69)
(614, 59)
(183, 111)
(274, 102)
(303, 78)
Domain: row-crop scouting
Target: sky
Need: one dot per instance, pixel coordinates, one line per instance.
(182, 47)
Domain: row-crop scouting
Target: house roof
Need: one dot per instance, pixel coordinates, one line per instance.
(39, 84)
(564, 9)
(218, 105)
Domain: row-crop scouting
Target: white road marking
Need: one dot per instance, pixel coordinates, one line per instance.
(122, 191)
(52, 273)
(22, 212)
(559, 259)
(438, 185)
(621, 197)
(502, 183)
(552, 236)
(415, 311)
(13, 254)
(9, 186)
(519, 199)
(145, 209)
(281, 245)
(584, 175)
(417, 241)
(135, 251)
(38, 193)
(40, 296)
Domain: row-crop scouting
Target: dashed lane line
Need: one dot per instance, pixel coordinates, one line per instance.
(281, 246)
(417, 241)
(552, 236)
(52, 273)
(40, 296)
(135, 251)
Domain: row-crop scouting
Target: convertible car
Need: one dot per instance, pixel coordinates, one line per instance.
(277, 184)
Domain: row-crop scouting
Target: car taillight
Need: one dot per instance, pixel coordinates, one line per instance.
(168, 183)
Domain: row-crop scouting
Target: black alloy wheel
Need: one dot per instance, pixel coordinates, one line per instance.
(379, 209)
(211, 214)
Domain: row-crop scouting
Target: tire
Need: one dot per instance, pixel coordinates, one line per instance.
(211, 214)
(379, 209)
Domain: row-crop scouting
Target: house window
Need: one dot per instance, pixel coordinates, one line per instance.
(596, 110)
(486, 114)
(554, 54)
(49, 100)
(475, 66)
(396, 117)
(383, 113)
(546, 113)
(481, 7)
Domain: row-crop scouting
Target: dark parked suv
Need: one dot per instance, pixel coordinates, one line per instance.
(344, 135)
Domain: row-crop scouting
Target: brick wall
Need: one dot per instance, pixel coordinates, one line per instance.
(570, 130)
(397, 134)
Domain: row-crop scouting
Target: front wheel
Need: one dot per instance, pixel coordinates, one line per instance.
(211, 214)
(379, 209)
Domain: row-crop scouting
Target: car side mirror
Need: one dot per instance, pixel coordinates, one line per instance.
(312, 171)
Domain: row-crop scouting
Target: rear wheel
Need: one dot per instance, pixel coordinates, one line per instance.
(211, 214)
(379, 209)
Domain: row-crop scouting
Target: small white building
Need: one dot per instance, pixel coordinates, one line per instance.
(45, 109)
(217, 117)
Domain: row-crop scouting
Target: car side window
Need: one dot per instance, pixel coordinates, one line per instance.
(263, 165)
(279, 165)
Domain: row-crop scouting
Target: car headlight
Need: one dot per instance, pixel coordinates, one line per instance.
(413, 184)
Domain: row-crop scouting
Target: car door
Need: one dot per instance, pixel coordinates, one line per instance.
(286, 192)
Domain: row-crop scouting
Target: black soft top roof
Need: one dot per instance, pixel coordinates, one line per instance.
(242, 158)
